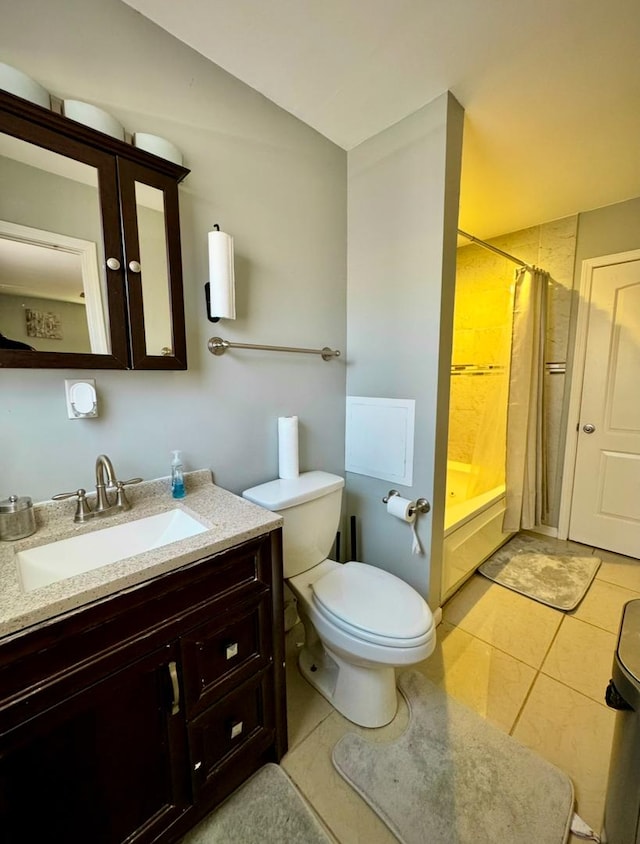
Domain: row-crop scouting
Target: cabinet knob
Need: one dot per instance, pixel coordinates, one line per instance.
(113, 263)
(236, 729)
(232, 650)
(134, 266)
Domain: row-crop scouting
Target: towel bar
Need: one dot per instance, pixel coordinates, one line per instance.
(217, 346)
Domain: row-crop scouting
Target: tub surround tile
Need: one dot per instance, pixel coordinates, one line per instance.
(603, 605)
(519, 626)
(557, 249)
(581, 657)
(487, 680)
(230, 521)
(575, 733)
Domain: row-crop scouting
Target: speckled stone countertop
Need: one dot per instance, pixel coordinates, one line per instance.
(230, 521)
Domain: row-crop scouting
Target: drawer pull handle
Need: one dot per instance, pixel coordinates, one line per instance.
(232, 650)
(175, 688)
(236, 729)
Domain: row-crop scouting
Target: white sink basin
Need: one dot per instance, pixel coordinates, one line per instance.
(58, 560)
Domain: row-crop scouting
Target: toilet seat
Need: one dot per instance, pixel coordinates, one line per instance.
(373, 605)
(373, 638)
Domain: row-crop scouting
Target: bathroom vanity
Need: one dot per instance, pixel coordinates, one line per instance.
(130, 715)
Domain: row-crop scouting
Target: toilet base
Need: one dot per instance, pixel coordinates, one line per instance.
(366, 696)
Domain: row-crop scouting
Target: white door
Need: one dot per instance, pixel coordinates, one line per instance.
(605, 508)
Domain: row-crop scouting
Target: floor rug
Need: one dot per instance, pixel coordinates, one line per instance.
(267, 809)
(533, 567)
(454, 778)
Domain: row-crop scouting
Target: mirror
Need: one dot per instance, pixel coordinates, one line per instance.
(52, 287)
(152, 242)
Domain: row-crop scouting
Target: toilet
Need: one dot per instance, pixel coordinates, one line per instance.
(361, 622)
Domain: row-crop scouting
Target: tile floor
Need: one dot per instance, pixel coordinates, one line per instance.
(537, 673)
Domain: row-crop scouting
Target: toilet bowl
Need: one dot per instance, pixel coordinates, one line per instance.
(360, 621)
(354, 667)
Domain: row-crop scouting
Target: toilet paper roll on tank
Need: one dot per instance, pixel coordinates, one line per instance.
(288, 465)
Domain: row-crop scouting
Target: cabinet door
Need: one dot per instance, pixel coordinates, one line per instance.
(150, 217)
(105, 765)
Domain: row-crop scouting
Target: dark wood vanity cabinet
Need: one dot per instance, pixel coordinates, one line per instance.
(111, 210)
(99, 765)
(129, 720)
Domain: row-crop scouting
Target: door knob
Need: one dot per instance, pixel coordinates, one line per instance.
(134, 266)
(588, 428)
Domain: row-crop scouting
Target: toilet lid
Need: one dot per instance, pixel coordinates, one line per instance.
(374, 601)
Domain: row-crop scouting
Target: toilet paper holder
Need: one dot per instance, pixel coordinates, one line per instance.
(422, 505)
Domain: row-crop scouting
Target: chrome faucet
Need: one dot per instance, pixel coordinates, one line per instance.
(103, 505)
(102, 502)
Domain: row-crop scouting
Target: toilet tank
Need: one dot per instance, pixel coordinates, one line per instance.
(310, 507)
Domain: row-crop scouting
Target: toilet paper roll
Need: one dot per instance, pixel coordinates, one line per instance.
(288, 447)
(406, 510)
(400, 507)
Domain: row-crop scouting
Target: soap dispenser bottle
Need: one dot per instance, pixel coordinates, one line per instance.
(177, 476)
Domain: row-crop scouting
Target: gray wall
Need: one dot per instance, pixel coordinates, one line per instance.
(403, 207)
(265, 177)
(73, 323)
(605, 231)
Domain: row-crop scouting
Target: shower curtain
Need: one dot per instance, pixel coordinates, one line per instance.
(488, 460)
(526, 477)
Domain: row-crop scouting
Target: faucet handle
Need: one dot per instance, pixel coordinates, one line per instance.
(83, 511)
(122, 502)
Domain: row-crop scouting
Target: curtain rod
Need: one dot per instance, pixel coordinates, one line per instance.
(495, 249)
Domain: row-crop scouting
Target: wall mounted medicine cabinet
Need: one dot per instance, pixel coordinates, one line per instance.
(90, 264)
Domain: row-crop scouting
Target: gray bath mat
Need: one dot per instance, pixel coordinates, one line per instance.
(267, 809)
(454, 778)
(534, 568)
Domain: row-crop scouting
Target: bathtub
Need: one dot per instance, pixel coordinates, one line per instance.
(472, 527)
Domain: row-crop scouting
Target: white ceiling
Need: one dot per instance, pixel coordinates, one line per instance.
(551, 88)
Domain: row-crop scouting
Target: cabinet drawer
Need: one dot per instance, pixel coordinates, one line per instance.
(224, 652)
(233, 732)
